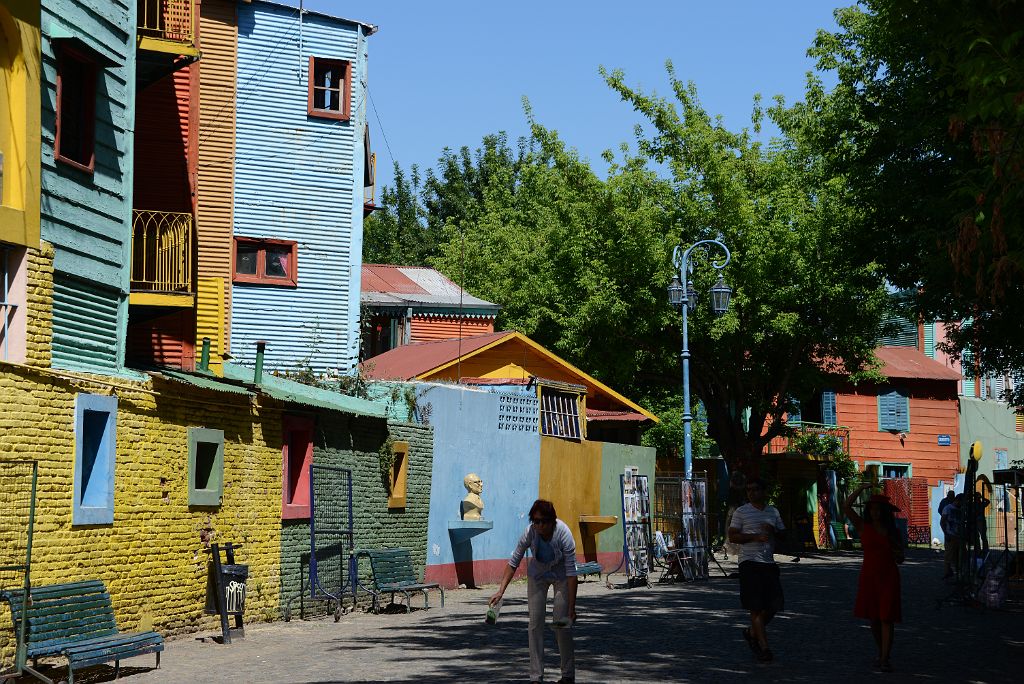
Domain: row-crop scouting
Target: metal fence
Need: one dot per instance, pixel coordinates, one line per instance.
(168, 20)
(17, 503)
(162, 251)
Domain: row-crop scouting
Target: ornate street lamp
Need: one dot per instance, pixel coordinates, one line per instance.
(720, 296)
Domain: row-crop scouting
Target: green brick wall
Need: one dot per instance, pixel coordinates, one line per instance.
(354, 445)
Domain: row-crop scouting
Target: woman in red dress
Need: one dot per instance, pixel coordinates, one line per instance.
(878, 589)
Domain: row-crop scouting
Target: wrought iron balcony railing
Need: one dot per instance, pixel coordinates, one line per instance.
(169, 20)
(791, 444)
(162, 251)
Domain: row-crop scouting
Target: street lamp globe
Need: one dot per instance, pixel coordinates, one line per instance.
(721, 293)
(675, 292)
(691, 296)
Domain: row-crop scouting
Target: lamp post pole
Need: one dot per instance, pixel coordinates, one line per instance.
(682, 263)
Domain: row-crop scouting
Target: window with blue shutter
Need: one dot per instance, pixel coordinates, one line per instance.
(828, 408)
(893, 412)
(793, 416)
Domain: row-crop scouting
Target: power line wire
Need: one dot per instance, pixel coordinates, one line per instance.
(380, 125)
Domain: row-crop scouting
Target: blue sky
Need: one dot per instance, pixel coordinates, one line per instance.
(444, 74)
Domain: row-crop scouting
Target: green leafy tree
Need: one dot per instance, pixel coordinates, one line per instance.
(927, 123)
(805, 300)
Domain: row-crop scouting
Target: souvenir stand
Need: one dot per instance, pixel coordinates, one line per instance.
(636, 528)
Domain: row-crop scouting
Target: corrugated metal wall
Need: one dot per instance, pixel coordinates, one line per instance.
(88, 218)
(163, 169)
(429, 328)
(215, 173)
(296, 178)
(163, 341)
(210, 319)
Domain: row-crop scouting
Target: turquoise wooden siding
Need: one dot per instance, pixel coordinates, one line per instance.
(87, 217)
(299, 178)
(85, 325)
(894, 411)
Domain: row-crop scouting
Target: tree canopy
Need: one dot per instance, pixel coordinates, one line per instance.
(927, 122)
(581, 263)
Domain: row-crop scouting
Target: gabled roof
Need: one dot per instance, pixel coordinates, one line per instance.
(414, 360)
(384, 285)
(908, 362)
(436, 360)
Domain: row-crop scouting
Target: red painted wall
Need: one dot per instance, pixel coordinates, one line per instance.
(427, 329)
(165, 143)
(933, 412)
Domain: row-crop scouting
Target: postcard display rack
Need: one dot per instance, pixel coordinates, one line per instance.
(636, 526)
(693, 538)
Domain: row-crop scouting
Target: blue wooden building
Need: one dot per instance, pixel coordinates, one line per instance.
(88, 93)
(301, 166)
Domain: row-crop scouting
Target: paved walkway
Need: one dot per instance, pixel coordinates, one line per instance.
(671, 632)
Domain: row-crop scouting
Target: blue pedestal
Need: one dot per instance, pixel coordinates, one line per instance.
(461, 531)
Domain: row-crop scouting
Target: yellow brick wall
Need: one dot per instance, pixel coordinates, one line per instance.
(151, 558)
(39, 298)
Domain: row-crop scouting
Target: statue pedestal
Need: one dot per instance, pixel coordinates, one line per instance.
(598, 523)
(461, 531)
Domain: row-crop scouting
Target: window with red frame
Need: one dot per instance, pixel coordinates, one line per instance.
(266, 262)
(76, 109)
(296, 457)
(329, 81)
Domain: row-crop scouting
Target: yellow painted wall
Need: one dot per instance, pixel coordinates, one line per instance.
(151, 558)
(20, 121)
(570, 477)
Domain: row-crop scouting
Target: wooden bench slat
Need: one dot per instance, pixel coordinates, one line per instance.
(76, 620)
(114, 641)
(116, 654)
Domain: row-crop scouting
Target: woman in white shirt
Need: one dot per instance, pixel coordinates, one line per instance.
(552, 563)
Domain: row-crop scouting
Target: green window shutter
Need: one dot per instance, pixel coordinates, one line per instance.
(828, 408)
(793, 417)
(929, 339)
(889, 411)
(966, 369)
(902, 404)
(904, 333)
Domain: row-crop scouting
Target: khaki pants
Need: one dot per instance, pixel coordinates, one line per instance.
(952, 553)
(537, 595)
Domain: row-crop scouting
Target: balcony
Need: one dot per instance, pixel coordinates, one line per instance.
(162, 253)
(800, 443)
(166, 38)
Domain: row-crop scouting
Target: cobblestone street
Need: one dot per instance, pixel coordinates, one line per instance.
(670, 632)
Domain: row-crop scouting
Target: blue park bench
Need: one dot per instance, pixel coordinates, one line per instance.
(76, 621)
(392, 573)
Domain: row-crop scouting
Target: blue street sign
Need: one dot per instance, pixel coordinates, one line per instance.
(944, 440)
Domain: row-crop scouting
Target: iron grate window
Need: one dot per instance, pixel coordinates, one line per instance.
(559, 414)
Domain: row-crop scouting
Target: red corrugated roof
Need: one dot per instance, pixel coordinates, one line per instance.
(388, 278)
(408, 361)
(618, 416)
(908, 362)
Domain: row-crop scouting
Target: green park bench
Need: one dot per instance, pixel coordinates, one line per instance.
(589, 568)
(76, 621)
(843, 540)
(392, 573)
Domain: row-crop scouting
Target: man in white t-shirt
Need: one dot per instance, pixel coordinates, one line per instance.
(755, 526)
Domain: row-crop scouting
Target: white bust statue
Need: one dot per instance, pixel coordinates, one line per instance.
(472, 505)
